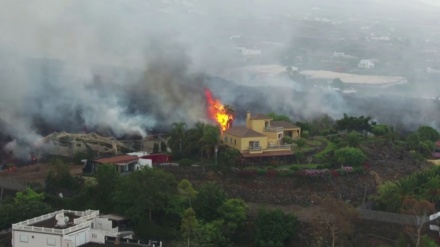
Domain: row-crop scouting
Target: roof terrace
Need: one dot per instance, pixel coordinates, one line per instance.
(48, 224)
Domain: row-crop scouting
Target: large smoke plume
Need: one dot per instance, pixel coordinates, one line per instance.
(129, 66)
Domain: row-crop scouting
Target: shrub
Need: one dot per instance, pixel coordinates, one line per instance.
(350, 156)
(271, 173)
(186, 162)
(335, 173)
(325, 166)
(359, 170)
(294, 168)
(248, 173)
(316, 173)
(260, 171)
(285, 173)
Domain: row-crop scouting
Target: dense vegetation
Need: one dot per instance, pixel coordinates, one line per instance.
(161, 207)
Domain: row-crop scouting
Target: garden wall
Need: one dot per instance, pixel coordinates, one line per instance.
(281, 190)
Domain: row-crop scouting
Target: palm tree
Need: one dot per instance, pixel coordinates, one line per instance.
(178, 133)
(192, 139)
(231, 112)
(210, 138)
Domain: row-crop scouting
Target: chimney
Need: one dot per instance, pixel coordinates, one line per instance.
(248, 117)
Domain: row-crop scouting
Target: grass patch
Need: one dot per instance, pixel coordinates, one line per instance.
(330, 147)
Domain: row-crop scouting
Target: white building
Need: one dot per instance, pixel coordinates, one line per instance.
(64, 228)
(366, 64)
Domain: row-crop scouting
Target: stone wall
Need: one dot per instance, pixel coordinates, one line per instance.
(280, 190)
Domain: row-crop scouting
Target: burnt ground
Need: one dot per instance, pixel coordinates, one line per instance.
(34, 173)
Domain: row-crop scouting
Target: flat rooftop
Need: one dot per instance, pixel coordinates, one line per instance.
(48, 222)
(52, 222)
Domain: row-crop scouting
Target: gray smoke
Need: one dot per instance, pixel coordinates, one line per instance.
(129, 66)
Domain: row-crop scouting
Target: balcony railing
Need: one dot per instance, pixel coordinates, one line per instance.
(285, 146)
(273, 129)
(254, 148)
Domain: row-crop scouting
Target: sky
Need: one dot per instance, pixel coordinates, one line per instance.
(132, 65)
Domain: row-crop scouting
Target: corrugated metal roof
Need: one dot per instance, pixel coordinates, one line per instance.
(121, 159)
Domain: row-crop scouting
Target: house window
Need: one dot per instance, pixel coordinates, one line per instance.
(226, 139)
(254, 145)
(280, 136)
(235, 142)
(51, 241)
(230, 140)
(78, 145)
(24, 238)
(94, 235)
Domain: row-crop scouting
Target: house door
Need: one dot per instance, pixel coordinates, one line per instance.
(80, 239)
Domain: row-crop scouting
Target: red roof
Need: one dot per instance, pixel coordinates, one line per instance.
(121, 159)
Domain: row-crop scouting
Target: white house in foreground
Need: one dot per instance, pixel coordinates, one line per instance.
(64, 228)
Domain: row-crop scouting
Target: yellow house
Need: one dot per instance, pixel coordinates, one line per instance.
(261, 137)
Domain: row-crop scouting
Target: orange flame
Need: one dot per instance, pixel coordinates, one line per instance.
(218, 112)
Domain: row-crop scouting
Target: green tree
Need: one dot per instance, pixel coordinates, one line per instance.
(380, 130)
(391, 195)
(107, 179)
(234, 214)
(426, 241)
(300, 143)
(274, 228)
(208, 200)
(354, 139)
(288, 140)
(59, 178)
(361, 124)
(350, 156)
(428, 133)
(228, 158)
(28, 196)
(209, 139)
(144, 191)
(192, 145)
(177, 135)
(276, 117)
(210, 235)
(426, 147)
(305, 134)
(26, 204)
(189, 223)
(186, 190)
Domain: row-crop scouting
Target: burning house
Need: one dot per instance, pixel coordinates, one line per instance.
(261, 138)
